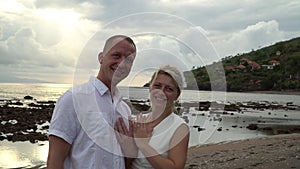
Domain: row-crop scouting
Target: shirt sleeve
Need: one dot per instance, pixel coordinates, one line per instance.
(64, 121)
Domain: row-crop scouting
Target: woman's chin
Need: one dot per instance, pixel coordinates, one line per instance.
(159, 103)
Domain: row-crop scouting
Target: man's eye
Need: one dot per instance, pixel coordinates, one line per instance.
(116, 55)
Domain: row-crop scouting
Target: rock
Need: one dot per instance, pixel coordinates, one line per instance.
(28, 97)
(252, 127)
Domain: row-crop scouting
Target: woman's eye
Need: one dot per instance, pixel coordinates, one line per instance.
(169, 89)
(156, 85)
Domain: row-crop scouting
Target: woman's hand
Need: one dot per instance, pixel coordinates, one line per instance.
(125, 137)
(142, 131)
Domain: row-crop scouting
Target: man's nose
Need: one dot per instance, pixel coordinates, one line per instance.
(120, 60)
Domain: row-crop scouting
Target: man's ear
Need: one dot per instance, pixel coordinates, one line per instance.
(100, 57)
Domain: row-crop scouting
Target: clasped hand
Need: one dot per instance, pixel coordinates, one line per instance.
(136, 136)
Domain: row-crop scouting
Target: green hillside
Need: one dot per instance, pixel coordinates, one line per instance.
(275, 67)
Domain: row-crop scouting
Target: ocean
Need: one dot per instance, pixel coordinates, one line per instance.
(205, 126)
(51, 92)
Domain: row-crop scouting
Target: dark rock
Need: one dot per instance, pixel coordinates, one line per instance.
(2, 138)
(252, 127)
(18, 103)
(27, 120)
(28, 97)
(201, 129)
(140, 107)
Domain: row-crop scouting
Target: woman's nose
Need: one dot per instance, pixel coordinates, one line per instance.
(163, 89)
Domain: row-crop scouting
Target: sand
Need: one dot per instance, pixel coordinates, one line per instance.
(271, 152)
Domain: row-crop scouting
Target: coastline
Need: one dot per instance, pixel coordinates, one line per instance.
(28, 120)
(275, 92)
(276, 152)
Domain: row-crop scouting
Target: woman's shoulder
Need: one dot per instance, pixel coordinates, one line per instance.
(177, 118)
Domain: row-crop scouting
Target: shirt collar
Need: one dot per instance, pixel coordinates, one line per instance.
(102, 88)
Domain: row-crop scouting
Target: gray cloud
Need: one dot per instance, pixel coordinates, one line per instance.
(252, 37)
(29, 42)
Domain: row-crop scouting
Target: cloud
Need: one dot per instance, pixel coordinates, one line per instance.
(22, 48)
(261, 34)
(36, 43)
(48, 38)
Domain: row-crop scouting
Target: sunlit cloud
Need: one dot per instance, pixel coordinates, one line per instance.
(43, 40)
(68, 20)
(11, 6)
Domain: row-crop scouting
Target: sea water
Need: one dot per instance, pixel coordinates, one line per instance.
(26, 155)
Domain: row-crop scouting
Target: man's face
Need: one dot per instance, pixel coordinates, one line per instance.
(116, 61)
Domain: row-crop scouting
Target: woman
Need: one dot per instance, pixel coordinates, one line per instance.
(160, 136)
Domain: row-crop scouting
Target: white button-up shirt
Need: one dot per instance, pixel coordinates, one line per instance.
(84, 116)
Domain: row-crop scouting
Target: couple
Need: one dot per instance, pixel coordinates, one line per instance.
(90, 126)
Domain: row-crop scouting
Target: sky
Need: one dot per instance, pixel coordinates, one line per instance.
(58, 41)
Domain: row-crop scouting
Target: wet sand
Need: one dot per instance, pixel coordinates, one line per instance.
(271, 152)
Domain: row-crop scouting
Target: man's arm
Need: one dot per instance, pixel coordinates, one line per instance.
(58, 151)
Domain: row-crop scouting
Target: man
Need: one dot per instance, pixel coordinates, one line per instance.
(81, 132)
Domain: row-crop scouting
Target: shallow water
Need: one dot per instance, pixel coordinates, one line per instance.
(23, 154)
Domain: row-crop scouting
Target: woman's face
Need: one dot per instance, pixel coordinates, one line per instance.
(163, 91)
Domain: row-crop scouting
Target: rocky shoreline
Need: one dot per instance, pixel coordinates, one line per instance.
(28, 119)
(25, 119)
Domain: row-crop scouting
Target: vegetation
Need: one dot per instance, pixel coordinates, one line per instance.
(275, 67)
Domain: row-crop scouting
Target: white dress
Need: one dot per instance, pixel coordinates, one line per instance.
(160, 140)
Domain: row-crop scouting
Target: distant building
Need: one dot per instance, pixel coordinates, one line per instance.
(274, 62)
(267, 66)
(254, 65)
(243, 61)
(271, 65)
(229, 68)
(241, 68)
(278, 53)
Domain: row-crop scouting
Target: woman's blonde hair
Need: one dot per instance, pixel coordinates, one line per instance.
(174, 73)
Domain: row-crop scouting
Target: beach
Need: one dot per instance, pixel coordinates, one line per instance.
(261, 133)
(271, 152)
